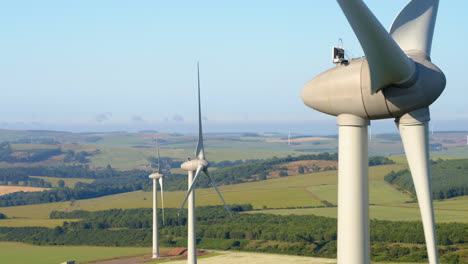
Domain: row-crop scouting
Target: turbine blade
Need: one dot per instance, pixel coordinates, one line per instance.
(197, 173)
(162, 198)
(413, 28)
(219, 193)
(200, 153)
(159, 157)
(414, 134)
(388, 64)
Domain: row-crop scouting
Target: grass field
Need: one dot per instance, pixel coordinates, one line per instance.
(286, 192)
(69, 182)
(124, 157)
(451, 210)
(18, 253)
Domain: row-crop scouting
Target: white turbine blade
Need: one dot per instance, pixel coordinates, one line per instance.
(200, 153)
(197, 173)
(219, 193)
(413, 28)
(159, 157)
(162, 198)
(388, 64)
(415, 142)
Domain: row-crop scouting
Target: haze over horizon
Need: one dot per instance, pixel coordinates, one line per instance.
(118, 65)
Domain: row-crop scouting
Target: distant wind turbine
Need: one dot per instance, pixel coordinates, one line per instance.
(196, 166)
(157, 176)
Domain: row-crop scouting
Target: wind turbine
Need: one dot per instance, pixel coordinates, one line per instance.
(196, 166)
(397, 80)
(157, 176)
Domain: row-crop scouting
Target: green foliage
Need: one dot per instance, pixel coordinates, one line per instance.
(106, 182)
(300, 235)
(449, 178)
(61, 183)
(379, 160)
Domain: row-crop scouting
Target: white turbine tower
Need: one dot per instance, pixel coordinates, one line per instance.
(196, 166)
(157, 176)
(397, 80)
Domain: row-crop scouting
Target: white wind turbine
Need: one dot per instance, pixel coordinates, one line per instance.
(397, 80)
(196, 166)
(157, 176)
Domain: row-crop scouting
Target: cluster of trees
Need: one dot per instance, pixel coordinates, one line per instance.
(449, 179)
(80, 156)
(293, 234)
(33, 155)
(108, 181)
(18, 176)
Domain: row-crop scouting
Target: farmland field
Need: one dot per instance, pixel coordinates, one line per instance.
(451, 210)
(19, 253)
(69, 182)
(285, 192)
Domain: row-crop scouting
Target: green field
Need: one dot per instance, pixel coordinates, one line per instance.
(19, 253)
(451, 210)
(395, 212)
(123, 157)
(69, 182)
(286, 192)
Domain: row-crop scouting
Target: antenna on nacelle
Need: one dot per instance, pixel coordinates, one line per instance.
(338, 53)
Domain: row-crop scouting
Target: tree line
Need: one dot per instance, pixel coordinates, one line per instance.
(306, 235)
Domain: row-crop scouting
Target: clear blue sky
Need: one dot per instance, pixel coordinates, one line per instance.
(110, 65)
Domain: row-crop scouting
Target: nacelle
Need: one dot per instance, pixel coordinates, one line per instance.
(192, 165)
(346, 89)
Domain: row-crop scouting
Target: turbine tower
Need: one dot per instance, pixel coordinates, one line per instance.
(396, 79)
(157, 176)
(195, 167)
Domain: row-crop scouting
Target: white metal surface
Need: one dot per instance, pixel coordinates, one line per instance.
(353, 193)
(191, 236)
(416, 145)
(388, 63)
(155, 221)
(413, 28)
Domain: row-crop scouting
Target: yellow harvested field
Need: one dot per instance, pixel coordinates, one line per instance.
(11, 189)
